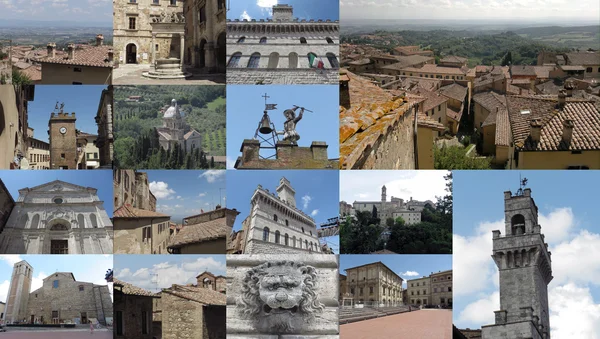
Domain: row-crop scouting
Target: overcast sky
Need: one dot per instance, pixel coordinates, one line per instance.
(513, 10)
(366, 185)
(77, 11)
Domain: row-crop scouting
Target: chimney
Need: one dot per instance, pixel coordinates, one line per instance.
(567, 133)
(99, 39)
(536, 129)
(111, 55)
(71, 51)
(344, 90)
(520, 91)
(562, 98)
(51, 48)
(569, 88)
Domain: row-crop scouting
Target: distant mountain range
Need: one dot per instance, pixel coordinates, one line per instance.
(10, 23)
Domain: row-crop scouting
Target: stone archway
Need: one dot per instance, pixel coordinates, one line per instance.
(201, 54)
(221, 52)
(131, 54)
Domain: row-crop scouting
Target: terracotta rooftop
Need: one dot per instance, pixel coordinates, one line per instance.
(431, 68)
(454, 59)
(453, 114)
(584, 58)
(408, 61)
(85, 55)
(410, 83)
(130, 289)
(584, 115)
(487, 79)
(491, 101)
(34, 73)
(202, 295)
(128, 211)
(372, 110)
(543, 72)
(364, 61)
(454, 91)
(432, 99)
(521, 70)
(199, 233)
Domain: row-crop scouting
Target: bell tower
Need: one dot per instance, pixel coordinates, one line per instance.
(285, 192)
(18, 292)
(63, 139)
(383, 194)
(525, 267)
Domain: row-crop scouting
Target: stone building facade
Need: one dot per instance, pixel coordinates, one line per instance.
(18, 293)
(131, 187)
(140, 231)
(441, 288)
(7, 203)
(176, 131)
(204, 233)
(133, 311)
(409, 211)
(13, 125)
(205, 39)
(104, 120)
(276, 225)
(63, 140)
(38, 154)
(211, 281)
(62, 299)
(418, 291)
(132, 32)
(374, 284)
(313, 294)
(524, 261)
(280, 50)
(287, 156)
(58, 218)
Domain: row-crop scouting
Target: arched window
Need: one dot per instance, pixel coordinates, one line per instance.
(302, 40)
(293, 60)
(286, 239)
(300, 243)
(287, 223)
(333, 60)
(302, 229)
(81, 221)
(35, 221)
(329, 41)
(241, 40)
(517, 223)
(254, 60)
(310, 232)
(263, 40)
(273, 60)
(266, 234)
(306, 244)
(234, 60)
(312, 57)
(94, 221)
(275, 217)
(277, 236)
(24, 220)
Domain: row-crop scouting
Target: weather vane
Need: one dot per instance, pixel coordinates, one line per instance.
(522, 184)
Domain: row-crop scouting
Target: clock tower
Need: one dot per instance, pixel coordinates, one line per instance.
(63, 140)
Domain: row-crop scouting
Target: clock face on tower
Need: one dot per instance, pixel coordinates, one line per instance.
(63, 130)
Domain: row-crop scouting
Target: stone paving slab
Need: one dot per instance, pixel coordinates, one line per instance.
(424, 324)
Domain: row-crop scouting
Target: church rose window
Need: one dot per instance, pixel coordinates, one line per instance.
(58, 201)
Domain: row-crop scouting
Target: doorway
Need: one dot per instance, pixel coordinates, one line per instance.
(59, 247)
(84, 319)
(131, 54)
(32, 321)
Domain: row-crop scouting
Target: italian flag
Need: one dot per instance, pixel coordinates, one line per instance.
(314, 62)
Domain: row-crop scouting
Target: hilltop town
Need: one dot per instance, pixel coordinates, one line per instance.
(417, 107)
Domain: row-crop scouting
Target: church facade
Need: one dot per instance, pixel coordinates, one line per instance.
(409, 211)
(176, 131)
(58, 218)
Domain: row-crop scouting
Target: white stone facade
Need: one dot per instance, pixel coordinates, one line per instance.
(276, 51)
(175, 131)
(409, 210)
(58, 218)
(409, 217)
(275, 225)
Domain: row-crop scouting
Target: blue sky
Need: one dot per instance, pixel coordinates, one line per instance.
(183, 193)
(303, 9)
(153, 272)
(405, 265)
(246, 105)
(98, 179)
(447, 10)
(316, 193)
(86, 268)
(82, 12)
(83, 100)
(568, 214)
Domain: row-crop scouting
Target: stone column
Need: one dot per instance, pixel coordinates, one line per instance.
(181, 50)
(209, 56)
(154, 49)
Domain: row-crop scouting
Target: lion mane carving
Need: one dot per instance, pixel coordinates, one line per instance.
(279, 296)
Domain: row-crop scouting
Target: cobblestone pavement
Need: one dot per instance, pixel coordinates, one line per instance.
(132, 75)
(57, 334)
(424, 324)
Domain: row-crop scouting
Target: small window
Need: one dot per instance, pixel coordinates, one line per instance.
(155, 2)
(287, 223)
(58, 201)
(241, 40)
(275, 217)
(302, 40)
(55, 284)
(263, 40)
(329, 41)
(302, 229)
(235, 60)
(80, 288)
(266, 234)
(77, 69)
(62, 156)
(589, 70)
(254, 60)
(173, 2)
(131, 23)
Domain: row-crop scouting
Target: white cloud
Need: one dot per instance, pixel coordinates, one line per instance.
(230, 164)
(243, 16)
(4, 290)
(38, 281)
(568, 263)
(179, 197)
(482, 310)
(409, 274)
(11, 259)
(314, 213)
(212, 175)
(306, 200)
(573, 313)
(203, 194)
(161, 190)
(557, 225)
(266, 3)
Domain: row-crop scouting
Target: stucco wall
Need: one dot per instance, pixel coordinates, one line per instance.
(59, 74)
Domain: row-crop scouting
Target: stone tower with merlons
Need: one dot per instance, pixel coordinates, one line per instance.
(525, 267)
